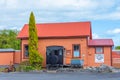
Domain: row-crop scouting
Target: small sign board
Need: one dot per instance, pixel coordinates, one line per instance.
(99, 58)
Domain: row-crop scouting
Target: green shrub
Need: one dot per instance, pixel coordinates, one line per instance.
(36, 61)
(25, 66)
(28, 68)
(35, 57)
(2, 69)
(25, 63)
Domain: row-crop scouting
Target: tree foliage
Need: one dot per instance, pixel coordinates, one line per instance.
(117, 47)
(34, 56)
(8, 39)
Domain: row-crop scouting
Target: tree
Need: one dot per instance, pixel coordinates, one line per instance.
(117, 47)
(8, 39)
(34, 56)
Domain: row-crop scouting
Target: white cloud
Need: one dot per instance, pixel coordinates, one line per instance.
(2, 2)
(95, 36)
(60, 4)
(82, 9)
(3, 27)
(15, 28)
(114, 31)
(59, 10)
(12, 4)
(74, 4)
(109, 16)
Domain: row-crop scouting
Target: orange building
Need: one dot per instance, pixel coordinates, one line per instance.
(116, 58)
(67, 41)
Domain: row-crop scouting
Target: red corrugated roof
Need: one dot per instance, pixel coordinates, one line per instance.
(101, 42)
(116, 54)
(59, 29)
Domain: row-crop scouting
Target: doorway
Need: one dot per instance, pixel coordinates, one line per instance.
(54, 55)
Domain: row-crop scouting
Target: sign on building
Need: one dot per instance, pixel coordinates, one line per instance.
(99, 58)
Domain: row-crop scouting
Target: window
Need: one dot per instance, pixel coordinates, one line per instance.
(99, 50)
(26, 53)
(60, 52)
(76, 50)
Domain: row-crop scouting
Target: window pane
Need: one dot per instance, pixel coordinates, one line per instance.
(76, 52)
(26, 53)
(99, 49)
(74, 47)
(60, 52)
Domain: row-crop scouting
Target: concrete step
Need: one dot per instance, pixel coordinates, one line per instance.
(51, 71)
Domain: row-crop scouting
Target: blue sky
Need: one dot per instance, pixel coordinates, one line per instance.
(103, 14)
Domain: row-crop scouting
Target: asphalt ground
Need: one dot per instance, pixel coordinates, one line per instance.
(59, 76)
